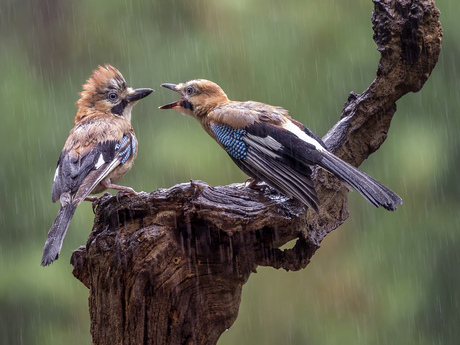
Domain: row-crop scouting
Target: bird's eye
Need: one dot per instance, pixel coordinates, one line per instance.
(189, 90)
(113, 96)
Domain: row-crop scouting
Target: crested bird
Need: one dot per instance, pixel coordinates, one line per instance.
(267, 144)
(99, 151)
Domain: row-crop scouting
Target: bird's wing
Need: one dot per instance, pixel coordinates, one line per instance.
(268, 144)
(264, 120)
(270, 153)
(79, 173)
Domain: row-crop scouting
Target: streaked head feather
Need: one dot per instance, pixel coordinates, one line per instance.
(103, 78)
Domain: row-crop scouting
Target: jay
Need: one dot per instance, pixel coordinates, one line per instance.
(99, 151)
(270, 146)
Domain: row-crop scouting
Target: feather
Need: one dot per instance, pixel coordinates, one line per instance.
(290, 180)
(372, 190)
(57, 233)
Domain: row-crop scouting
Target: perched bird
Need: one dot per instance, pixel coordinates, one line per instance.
(270, 146)
(98, 152)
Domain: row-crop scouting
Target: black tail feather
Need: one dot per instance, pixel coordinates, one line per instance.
(372, 190)
(57, 233)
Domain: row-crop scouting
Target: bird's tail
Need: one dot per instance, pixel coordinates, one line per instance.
(372, 190)
(57, 233)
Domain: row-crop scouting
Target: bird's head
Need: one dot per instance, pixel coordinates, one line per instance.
(106, 92)
(198, 97)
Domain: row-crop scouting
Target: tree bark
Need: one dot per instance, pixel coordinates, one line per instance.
(168, 267)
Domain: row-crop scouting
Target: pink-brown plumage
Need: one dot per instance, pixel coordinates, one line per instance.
(99, 151)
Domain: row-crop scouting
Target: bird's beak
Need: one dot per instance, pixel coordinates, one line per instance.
(173, 104)
(139, 94)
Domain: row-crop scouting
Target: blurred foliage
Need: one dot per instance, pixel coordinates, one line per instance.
(382, 278)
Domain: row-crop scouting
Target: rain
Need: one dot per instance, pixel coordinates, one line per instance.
(380, 278)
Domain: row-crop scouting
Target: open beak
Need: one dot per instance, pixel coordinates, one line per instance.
(173, 104)
(139, 94)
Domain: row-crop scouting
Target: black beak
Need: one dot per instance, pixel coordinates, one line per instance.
(170, 86)
(139, 94)
(173, 104)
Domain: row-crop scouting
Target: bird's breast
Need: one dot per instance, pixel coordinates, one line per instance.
(97, 129)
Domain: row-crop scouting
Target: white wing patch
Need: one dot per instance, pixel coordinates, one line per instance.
(288, 125)
(99, 162)
(56, 174)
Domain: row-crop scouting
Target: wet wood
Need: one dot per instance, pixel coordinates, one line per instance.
(168, 267)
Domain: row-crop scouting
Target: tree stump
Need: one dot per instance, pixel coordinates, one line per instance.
(168, 267)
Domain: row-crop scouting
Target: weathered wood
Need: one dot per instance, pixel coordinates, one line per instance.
(168, 267)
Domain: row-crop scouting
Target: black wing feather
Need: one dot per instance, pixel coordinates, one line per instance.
(291, 147)
(73, 171)
(271, 157)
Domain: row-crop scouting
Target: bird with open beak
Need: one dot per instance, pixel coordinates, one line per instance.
(98, 152)
(270, 146)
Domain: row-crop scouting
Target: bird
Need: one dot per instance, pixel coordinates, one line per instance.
(267, 144)
(99, 150)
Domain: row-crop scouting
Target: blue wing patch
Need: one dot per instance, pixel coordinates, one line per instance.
(232, 140)
(121, 143)
(126, 152)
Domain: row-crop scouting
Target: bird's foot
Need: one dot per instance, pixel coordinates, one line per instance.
(127, 191)
(123, 190)
(254, 184)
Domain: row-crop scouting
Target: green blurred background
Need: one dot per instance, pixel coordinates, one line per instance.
(381, 278)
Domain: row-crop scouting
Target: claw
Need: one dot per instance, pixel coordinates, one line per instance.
(94, 205)
(127, 191)
(253, 184)
(95, 200)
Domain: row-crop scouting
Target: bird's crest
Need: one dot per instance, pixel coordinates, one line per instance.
(102, 80)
